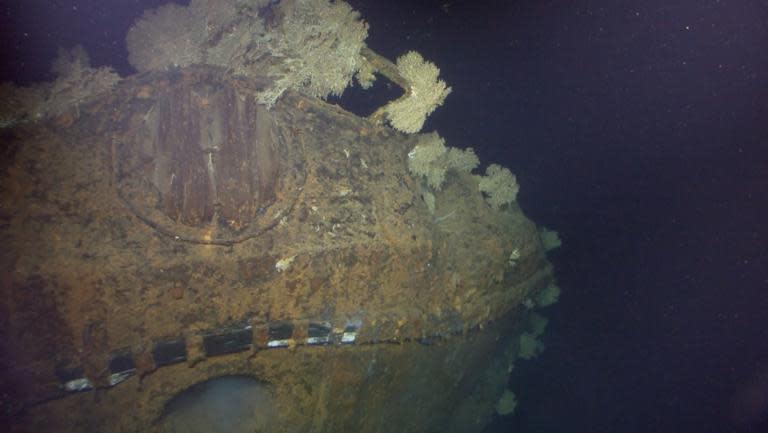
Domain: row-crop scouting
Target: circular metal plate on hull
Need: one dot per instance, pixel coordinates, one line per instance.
(207, 164)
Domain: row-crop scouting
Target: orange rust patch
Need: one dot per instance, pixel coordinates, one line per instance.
(177, 292)
(65, 120)
(144, 92)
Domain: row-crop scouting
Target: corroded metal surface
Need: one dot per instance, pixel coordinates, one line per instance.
(205, 162)
(176, 211)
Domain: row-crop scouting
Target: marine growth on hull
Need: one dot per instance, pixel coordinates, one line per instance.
(211, 227)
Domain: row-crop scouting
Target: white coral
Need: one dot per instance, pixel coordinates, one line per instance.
(76, 83)
(319, 46)
(170, 35)
(426, 93)
(311, 45)
(432, 160)
(424, 159)
(506, 404)
(499, 185)
(285, 263)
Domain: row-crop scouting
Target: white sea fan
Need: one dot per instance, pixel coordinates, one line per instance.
(427, 92)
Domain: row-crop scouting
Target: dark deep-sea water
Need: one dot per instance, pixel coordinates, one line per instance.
(637, 130)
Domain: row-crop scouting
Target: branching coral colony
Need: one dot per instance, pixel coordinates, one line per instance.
(76, 83)
(311, 46)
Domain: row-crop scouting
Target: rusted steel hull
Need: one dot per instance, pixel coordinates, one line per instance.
(173, 231)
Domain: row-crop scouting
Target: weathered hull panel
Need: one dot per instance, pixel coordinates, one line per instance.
(126, 229)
